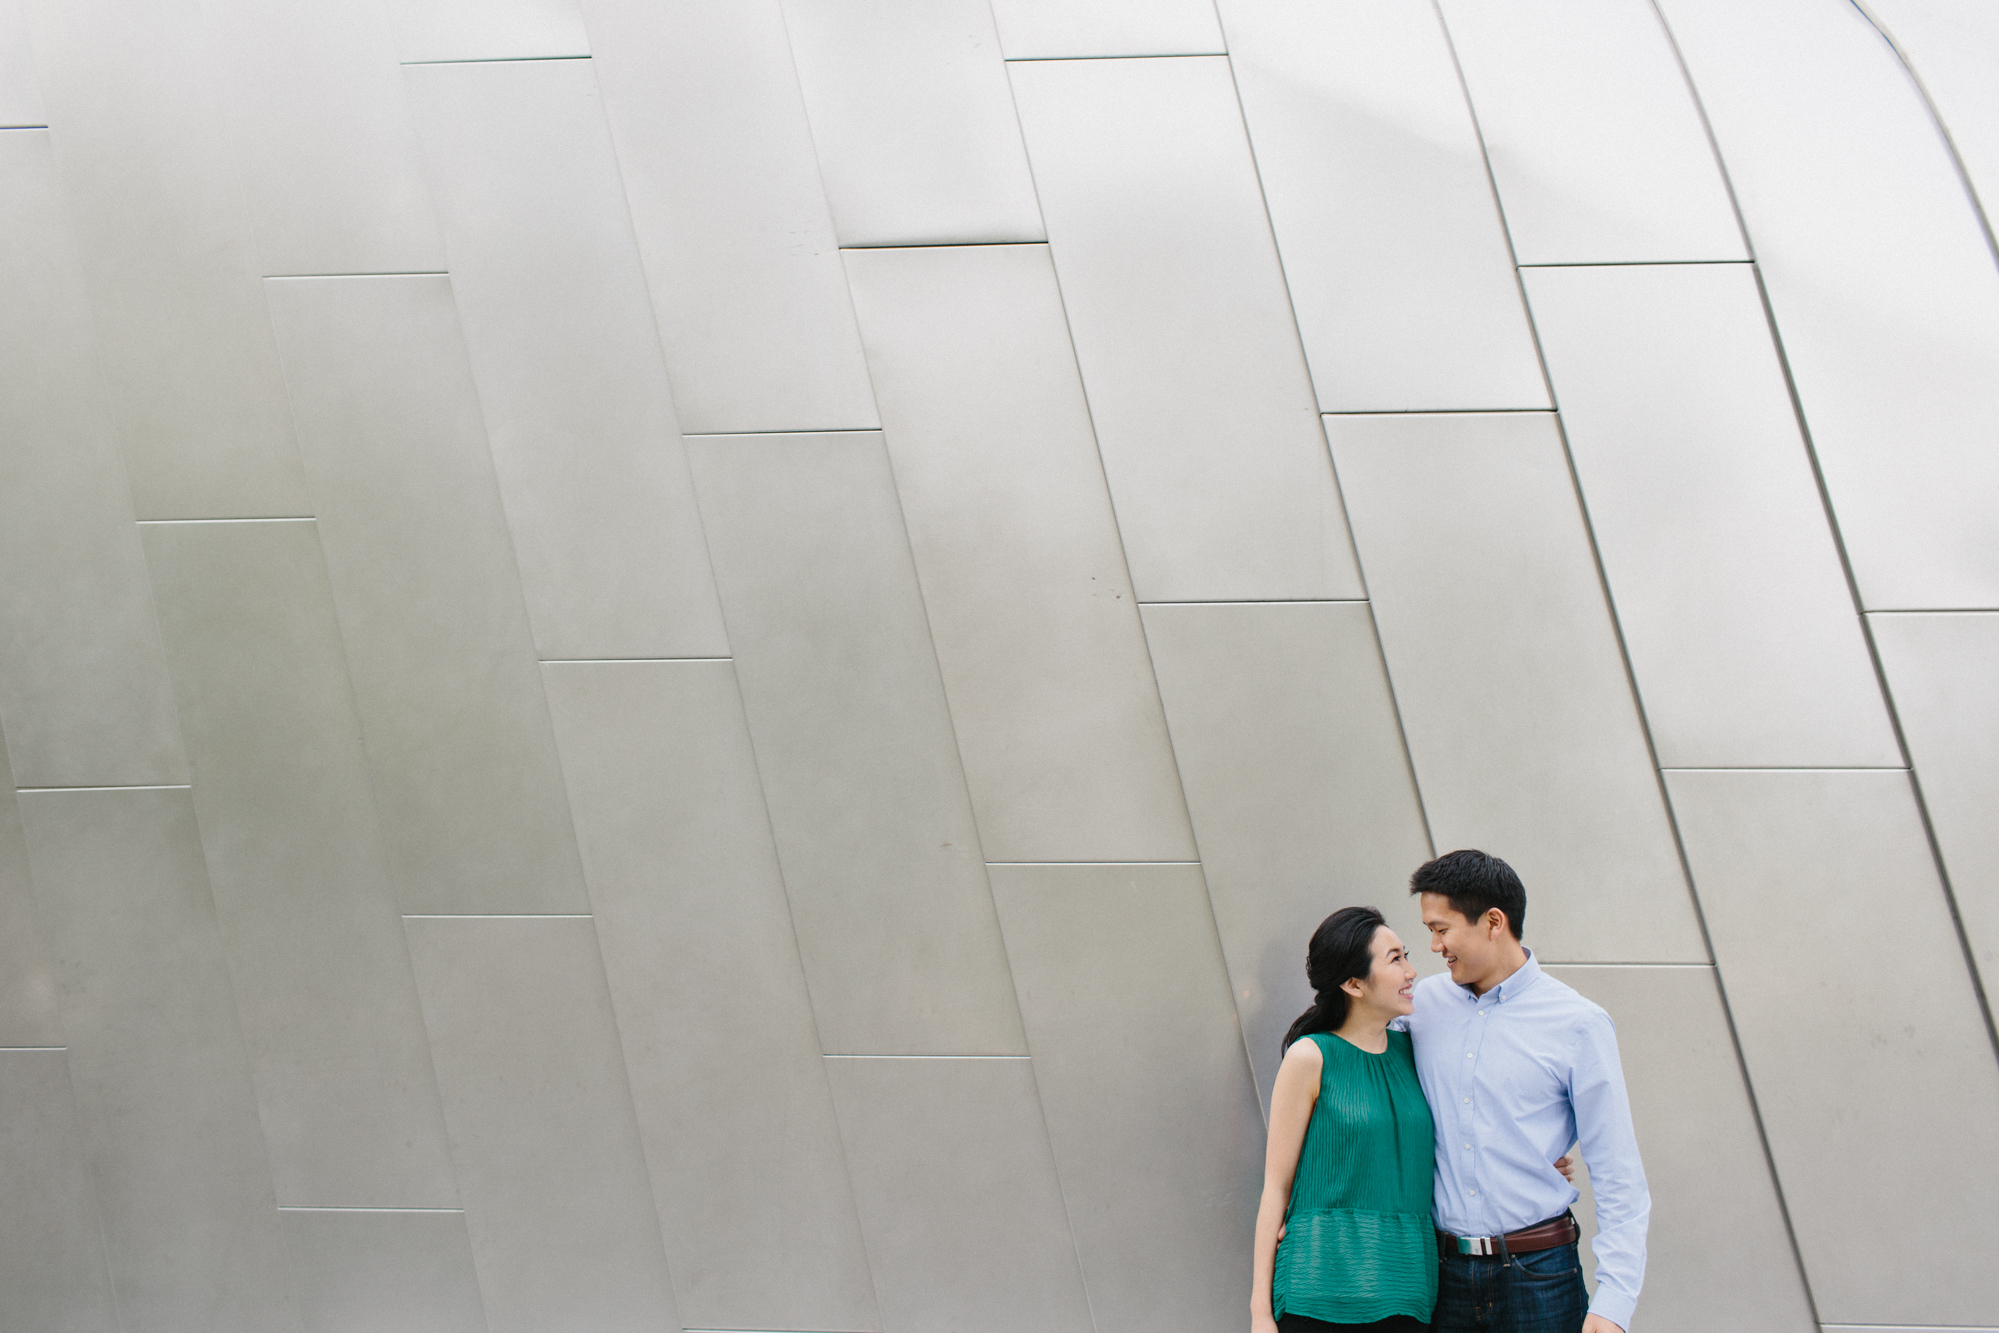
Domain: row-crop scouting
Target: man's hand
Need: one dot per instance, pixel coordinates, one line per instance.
(1596, 1323)
(1567, 1166)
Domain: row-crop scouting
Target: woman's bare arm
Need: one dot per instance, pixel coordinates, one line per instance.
(1290, 1110)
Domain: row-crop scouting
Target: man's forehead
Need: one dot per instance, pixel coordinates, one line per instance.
(1437, 910)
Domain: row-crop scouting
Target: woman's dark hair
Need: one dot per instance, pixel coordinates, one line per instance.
(1342, 948)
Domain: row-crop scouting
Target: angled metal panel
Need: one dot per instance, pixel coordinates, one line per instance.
(913, 122)
(549, 1165)
(166, 1107)
(732, 221)
(1393, 247)
(560, 332)
(1521, 724)
(51, 1248)
(1285, 731)
(84, 694)
(1197, 384)
(329, 163)
(1016, 544)
(1862, 1035)
(424, 580)
(1882, 282)
(1139, 1062)
(1596, 142)
(692, 918)
(150, 177)
(304, 894)
(854, 744)
(959, 1199)
(1743, 635)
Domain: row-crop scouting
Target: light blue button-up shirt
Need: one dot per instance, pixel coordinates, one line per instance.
(1513, 1078)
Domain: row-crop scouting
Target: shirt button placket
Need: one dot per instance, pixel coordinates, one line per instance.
(1473, 1035)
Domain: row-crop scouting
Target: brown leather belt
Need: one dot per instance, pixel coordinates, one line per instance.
(1541, 1236)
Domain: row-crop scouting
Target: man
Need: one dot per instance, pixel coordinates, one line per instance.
(1516, 1067)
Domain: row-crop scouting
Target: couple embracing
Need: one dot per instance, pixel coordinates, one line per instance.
(1412, 1179)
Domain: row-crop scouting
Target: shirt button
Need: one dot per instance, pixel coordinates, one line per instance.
(1474, 1194)
(1467, 1101)
(1467, 1055)
(1467, 1147)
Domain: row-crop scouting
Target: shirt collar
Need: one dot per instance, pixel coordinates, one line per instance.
(1513, 987)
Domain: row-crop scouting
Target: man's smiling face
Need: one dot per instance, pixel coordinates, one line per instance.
(1472, 949)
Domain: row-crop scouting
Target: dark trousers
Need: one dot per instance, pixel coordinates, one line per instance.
(1541, 1292)
(1395, 1323)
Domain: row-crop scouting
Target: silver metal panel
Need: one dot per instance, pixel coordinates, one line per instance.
(20, 90)
(329, 164)
(1064, 29)
(1393, 247)
(556, 1198)
(427, 30)
(1197, 385)
(1596, 143)
(853, 741)
(1519, 716)
(84, 693)
(423, 575)
(51, 1257)
(361, 1271)
(27, 989)
(1943, 672)
(1150, 1107)
(732, 221)
(1718, 1256)
(1286, 736)
(166, 1110)
(959, 1199)
(913, 121)
(1029, 602)
(745, 1158)
(1741, 627)
(1861, 1034)
(1882, 282)
(297, 866)
(560, 332)
(192, 376)
(1953, 46)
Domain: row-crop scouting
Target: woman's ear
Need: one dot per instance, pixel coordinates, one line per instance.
(1352, 987)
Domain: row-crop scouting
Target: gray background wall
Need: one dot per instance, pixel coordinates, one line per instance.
(701, 665)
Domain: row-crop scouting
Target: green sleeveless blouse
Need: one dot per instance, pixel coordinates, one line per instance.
(1358, 1241)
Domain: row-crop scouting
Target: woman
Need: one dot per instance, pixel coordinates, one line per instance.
(1348, 1171)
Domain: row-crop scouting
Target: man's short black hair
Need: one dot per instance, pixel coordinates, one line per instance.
(1474, 883)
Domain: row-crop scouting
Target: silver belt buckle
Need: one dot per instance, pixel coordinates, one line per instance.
(1474, 1244)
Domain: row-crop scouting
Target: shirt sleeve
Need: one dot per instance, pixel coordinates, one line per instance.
(1616, 1175)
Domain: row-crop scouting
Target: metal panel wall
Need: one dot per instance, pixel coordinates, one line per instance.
(1397, 261)
(1881, 279)
(475, 858)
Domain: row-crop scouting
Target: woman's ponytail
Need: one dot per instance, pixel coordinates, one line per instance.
(1342, 949)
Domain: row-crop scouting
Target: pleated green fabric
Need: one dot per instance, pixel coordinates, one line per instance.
(1358, 1241)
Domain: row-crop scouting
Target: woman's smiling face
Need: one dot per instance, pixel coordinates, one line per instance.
(1390, 985)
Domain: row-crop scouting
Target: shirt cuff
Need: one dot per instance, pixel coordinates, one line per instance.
(1614, 1306)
